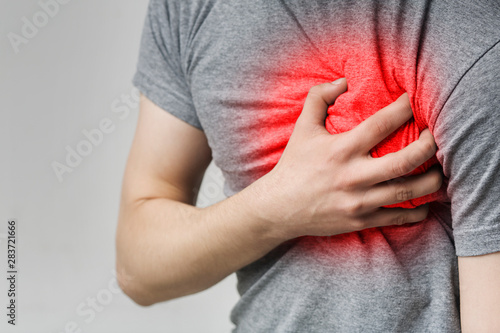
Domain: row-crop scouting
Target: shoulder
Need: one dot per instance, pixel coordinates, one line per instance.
(456, 36)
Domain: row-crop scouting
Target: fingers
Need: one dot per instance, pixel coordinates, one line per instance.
(404, 189)
(318, 100)
(380, 125)
(402, 162)
(392, 216)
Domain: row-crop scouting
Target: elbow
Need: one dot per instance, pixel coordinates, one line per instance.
(141, 291)
(139, 298)
(145, 294)
(127, 277)
(141, 301)
(131, 287)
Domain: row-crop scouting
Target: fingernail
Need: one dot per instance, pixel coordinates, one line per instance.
(339, 81)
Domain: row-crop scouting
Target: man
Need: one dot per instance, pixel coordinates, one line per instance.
(233, 77)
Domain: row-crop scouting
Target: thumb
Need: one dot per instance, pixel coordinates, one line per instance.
(318, 99)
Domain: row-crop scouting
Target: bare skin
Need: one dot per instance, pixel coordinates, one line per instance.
(323, 185)
(480, 293)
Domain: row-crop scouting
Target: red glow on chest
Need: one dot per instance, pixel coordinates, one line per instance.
(374, 81)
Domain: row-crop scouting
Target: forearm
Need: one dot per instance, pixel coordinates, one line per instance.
(167, 249)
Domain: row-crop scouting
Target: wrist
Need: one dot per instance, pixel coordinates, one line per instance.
(243, 221)
(264, 206)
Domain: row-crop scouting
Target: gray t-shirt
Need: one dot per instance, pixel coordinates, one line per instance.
(240, 71)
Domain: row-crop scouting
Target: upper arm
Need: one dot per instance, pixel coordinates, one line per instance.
(169, 153)
(480, 293)
(167, 159)
(467, 133)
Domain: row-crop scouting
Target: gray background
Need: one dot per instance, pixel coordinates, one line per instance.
(66, 78)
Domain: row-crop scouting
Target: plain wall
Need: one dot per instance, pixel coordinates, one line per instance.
(66, 77)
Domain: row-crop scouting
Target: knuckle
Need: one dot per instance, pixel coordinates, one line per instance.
(316, 91)
(403, 193)
(400, 219)
(382, 126)
(402, 167)
(346, 182)
(341, 151)
(353, 207)
(358, 224)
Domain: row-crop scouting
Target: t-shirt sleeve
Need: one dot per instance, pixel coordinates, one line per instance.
(160, 74)
(467, 133)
